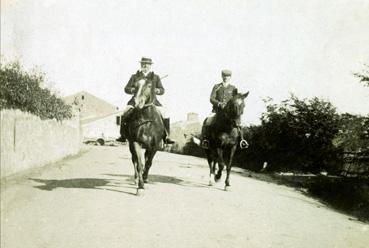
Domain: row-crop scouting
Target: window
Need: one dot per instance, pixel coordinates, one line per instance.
(118, 120)
(83, 97)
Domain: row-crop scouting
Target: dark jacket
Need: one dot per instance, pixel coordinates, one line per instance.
(221, 94)
(132, 86)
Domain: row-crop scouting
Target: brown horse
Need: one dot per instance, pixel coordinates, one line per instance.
(144, 130)
(224, 138)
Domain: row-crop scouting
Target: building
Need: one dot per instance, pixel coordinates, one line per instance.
(182, 129)
(89, 105)
(103, 127)
(99, 119)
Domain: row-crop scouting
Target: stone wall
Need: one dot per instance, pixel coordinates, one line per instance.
(28, 142)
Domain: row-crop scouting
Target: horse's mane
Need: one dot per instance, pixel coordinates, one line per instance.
(230, 106)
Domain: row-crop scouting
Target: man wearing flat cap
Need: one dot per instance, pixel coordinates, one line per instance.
(220, 95)
(222, 92)
(132, 87)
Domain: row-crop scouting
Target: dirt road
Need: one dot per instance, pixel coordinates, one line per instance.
(89, 201)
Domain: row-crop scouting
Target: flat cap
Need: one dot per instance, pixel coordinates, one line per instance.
(226, 73)
(146, 60)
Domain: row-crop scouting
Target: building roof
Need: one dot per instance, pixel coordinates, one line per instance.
(90, 106)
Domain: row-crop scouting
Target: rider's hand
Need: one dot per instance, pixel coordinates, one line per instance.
(157, 91)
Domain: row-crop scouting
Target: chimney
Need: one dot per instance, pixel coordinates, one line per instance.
(192, 117)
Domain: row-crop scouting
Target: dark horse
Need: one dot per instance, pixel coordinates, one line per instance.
(224, 138)
(144, 130)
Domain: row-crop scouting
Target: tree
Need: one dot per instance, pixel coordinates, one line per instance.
(363, 75)
(22, 90)
(353, 135)
(295, 135)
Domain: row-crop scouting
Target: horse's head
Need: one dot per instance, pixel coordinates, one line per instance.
(144, 93)
(235, 106)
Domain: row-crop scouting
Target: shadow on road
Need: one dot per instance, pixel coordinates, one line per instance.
(153, 179)
(82, 183)
(117, 185)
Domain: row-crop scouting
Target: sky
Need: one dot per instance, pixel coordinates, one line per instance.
(274, 48)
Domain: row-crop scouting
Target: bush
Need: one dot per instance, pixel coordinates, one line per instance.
(295, 135)
(192, 149)
(353, 133)
(22, 90)
(259, 148)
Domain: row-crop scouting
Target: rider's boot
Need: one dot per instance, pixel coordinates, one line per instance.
(204, 136)
(122, 137)
(166, 138)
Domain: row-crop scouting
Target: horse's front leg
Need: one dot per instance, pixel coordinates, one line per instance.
(212, 172)
(149, 156)
(134, 161)
(229, 166)
(220, 163)
(211, 162)
(137, 149)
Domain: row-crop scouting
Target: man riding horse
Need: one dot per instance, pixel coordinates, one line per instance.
(143, 75)
(220, 95)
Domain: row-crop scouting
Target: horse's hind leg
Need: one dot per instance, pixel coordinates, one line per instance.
(229, 166)
(149, 155)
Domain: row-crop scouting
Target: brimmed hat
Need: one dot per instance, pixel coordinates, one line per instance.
(226, 73)
(146, 60)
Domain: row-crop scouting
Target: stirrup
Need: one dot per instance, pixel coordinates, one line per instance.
(205, 144)
(244, 144)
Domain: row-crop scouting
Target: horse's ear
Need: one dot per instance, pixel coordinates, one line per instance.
(245, 95)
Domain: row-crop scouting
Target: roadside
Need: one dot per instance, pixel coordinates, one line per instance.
(347, 195)
(23, 175)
